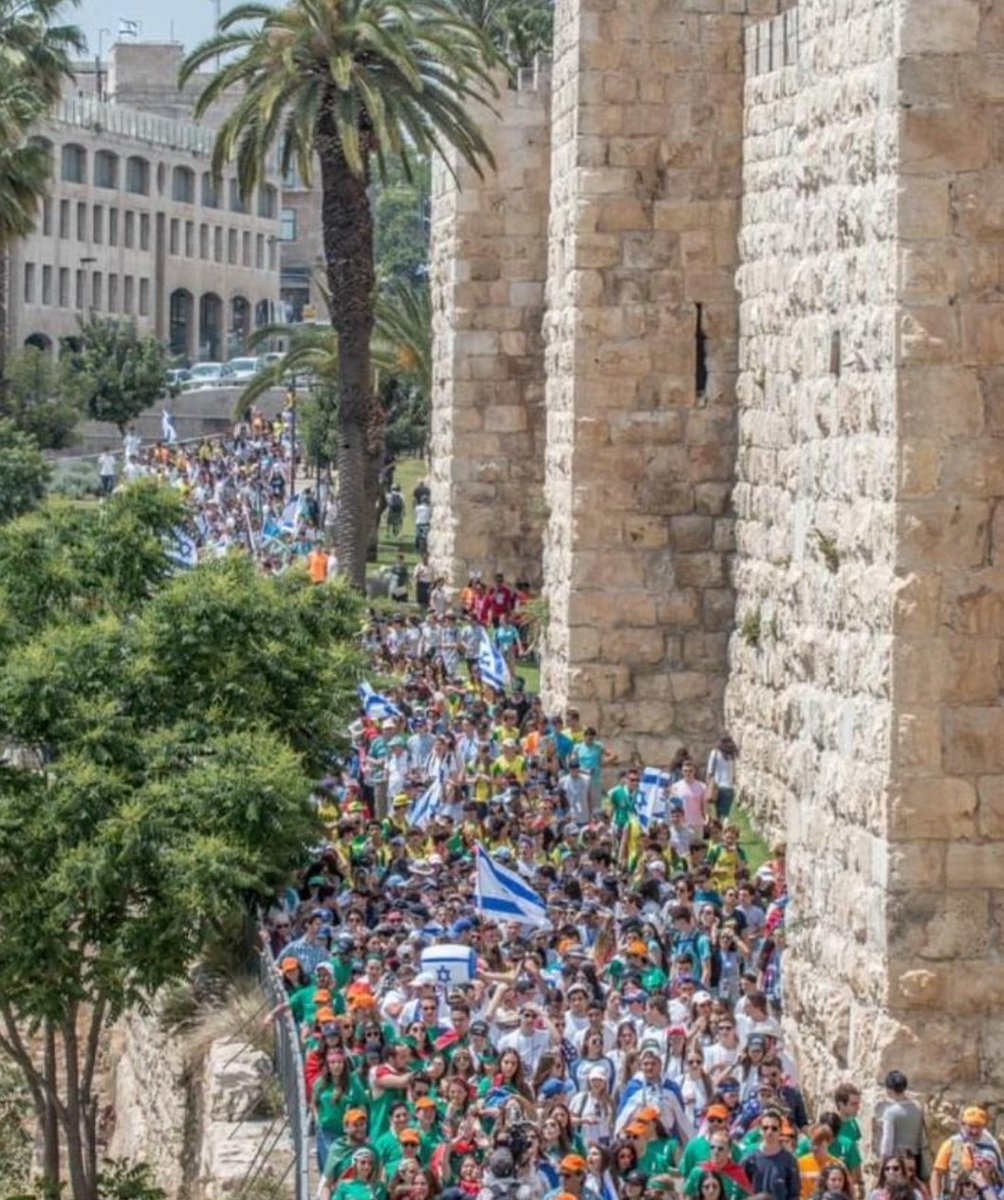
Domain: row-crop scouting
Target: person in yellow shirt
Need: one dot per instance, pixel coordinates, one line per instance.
(509, 762)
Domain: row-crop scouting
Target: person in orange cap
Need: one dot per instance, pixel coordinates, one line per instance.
(958, 1153)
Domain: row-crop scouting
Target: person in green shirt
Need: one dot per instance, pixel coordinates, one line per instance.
(698, 1149)
(622, 801)
(388, 1082)
(336, 1090)
(365, 1182)
(657, 1154)
(429, 1133)
(847, 1100)
(388, 1145)
(343, 1150)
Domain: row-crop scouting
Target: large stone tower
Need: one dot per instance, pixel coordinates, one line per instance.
(772, 465)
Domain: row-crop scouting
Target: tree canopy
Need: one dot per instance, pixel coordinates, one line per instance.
(164, 728)
(23, 471)
(116, 374)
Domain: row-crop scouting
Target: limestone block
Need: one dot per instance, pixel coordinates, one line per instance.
(940, 27)
(924, 408)
(974, 740)
(944, 533)
(943, 139)
(932, 809)
(927, 334)
(974, 865)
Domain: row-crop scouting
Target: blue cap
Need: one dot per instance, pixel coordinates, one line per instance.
(553, 1087)
(396, 881)
(464, 925)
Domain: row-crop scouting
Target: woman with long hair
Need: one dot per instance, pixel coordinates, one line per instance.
(592, 1109)
(335, 1090)
(593, 1057)
(697, 1087)
(365, 1183)
(835, 1180)
(623, 1160)
(624, 1054)
(893, 1170)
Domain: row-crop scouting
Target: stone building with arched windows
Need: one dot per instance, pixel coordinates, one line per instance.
(135, 226)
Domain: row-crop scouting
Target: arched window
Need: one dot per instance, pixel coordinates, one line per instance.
(183, 185)
(268, 202)
(106, 169)
(210, 191)
(74, 163)
(138, 175)
(238, 203)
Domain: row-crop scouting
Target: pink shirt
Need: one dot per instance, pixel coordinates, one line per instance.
(692, 794)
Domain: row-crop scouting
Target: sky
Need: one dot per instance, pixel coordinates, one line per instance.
(186, 21)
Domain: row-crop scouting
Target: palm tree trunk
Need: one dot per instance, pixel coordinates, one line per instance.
(347, 226)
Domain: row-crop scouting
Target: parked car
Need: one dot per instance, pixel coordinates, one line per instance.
(245, 369)
(209, 375)
(176, 380)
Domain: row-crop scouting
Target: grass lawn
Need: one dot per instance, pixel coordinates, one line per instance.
(757, 850)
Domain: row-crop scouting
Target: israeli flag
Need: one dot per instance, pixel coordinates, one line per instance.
(375, 706)
(181, 549)
(424, 808)
(270, 531)
(502, 895)
(168, 433)
(653, 789)
(492, 665)
(290, 516)
(451, 965)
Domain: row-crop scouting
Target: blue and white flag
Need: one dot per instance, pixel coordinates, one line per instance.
(491, 665)
(653, 789)
(451, 965)
(503, 895)
(290, 516)
(181, 549)
(168, 433)
(424, 808)
(375, 706)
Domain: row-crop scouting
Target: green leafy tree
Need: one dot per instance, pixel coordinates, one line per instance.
(357, 84)
(36, 400)
(519, 30)
(116, 374)
(401, 225)
(23, 471)
(166, 729)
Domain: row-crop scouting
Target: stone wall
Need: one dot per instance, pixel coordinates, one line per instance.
(488, 263)
(809, 698)
(946, 812)
(641, 364)
(865, 661)
(204, 1126)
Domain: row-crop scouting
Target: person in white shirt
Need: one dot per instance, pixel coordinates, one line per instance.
(106, 472)
(694, 795)
(528, 1039)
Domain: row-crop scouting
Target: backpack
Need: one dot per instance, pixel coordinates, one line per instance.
(396, 502)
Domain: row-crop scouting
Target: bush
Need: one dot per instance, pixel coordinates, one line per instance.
(76, 479)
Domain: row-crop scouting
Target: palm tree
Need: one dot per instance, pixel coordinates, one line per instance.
(358, 83)
(34, 63)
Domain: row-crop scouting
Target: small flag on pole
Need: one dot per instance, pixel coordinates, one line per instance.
(503, 895)
(491, 665)
(652, 790)
(375, 706)
(168, 433)
(424, 808)
(181, 549)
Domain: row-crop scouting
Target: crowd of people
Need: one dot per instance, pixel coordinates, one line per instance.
(240, 490)
(627, 1046)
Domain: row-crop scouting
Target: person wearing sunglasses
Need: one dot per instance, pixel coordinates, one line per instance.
(771, 1168)
(721, 1165)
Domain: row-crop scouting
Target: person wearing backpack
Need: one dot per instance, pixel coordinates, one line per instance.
(958, 1153)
